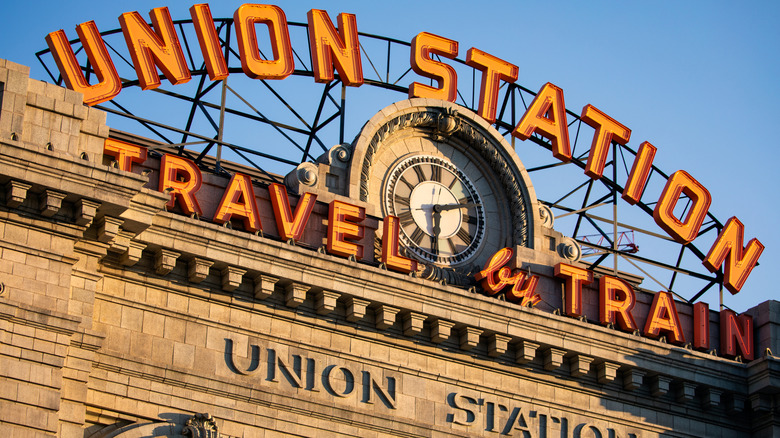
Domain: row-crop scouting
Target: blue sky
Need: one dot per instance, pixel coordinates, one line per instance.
(697, 79)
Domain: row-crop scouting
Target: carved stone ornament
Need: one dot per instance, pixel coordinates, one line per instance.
(569, 249)
(305, 173)
(339, 154)
(546, 215)
(452, 276)
(448, 123)
(201, 426)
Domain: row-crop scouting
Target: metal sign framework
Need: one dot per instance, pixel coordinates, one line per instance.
(203, 132)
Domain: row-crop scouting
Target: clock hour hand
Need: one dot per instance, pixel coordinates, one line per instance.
(436, 216)
(453, 206)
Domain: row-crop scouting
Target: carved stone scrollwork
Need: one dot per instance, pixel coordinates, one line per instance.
(339, 154)
(447, 123)
(452, 276)
(424, 119)
(201, 426)
(569, 249)
(546, 215)
(305, 173)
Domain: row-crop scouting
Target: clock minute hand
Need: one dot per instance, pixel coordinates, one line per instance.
(453, 206)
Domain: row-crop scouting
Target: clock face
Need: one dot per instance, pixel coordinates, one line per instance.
(440, 211)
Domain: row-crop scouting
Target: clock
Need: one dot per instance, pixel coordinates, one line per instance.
(456, 185)
(440, 210)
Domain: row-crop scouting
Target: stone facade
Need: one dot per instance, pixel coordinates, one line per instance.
(119, 318)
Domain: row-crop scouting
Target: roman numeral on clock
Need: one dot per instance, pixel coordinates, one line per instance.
(464, 236)
(435, 173)
(453, 250)
(417, 236)
(402, 201)
(406, 218)
(407, 183)
(420, 175)
(468, 219)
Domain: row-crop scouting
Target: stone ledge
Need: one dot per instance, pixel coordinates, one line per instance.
(47, 319)
(266, 256)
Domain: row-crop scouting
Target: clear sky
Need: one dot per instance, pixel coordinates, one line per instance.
(697, 79)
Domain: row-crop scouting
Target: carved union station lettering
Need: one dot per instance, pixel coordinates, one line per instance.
(310, 374)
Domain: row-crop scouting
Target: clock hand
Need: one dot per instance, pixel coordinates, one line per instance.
(436, 230)
(453, 206)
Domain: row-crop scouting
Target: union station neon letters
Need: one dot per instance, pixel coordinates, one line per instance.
(336, 47)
